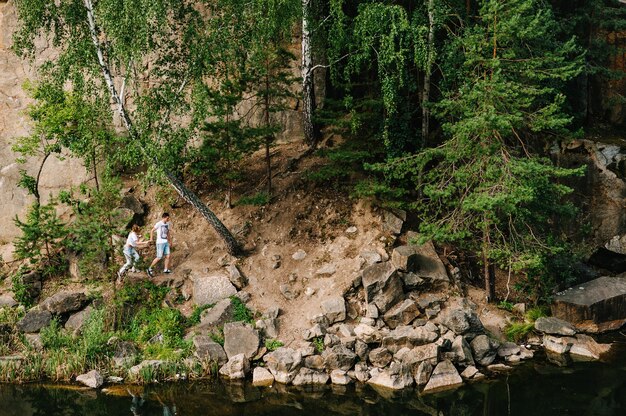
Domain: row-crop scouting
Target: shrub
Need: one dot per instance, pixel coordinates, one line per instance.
(273, 344)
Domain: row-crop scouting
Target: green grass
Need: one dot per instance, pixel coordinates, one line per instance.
(194, 319)
(241, 313)
(517, 331)
(507, 306)
(259, 199)
(318, 343)
(273, 344)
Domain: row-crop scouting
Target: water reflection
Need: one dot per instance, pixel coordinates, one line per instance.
(538, 388)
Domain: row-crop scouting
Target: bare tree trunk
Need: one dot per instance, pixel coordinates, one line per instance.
(430, 56)
(38, 178)
(487, 268)
(268, 138)
(308, 93)
(231, 244)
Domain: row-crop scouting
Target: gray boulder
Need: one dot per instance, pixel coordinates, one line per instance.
(370, 257)
(461, 352)
(235, 277)
(402, 313)
(469, 372)
(92, 379)
(586, 347)
(334, 309)
(383, 285)
(445, 375)
(219, 314)
(307, 376)
(314, 332)
(283, 364)
(236, 368)
(208, 290)
(77, 320)
(361, 372)
(409, 337)
(367, 334)
(340, 377)
(484, 349)
(34, 321)
(462, 321)
(422, 373)
(554, 326)
(63, 302)
(208, 350)
(136, 370)
(268, 327)
(393, 221)
(557, 345)
(240, 338)
(7, 301)
(405, 258)
(362, 350)
(338, 357)
(507, 349)
(314, 362)
(261, 377)
(380, 357)
(411, 281)
(398, 376)
(423, 353)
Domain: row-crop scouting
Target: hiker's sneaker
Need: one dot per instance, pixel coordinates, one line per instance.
(150, 272)
(167, 271)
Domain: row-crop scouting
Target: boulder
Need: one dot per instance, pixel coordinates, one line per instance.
(218, 315)
(235, 277)
(371, 311)
(469, 372)
(76, 321)
(314, 362)
(507, 349)
(306, 349)
(370, 257)
(307, 376)
(268, 327)
(340, 377)
(411, 281)
(208, 290)
(34, 321)
(208, 350)
(338, 357)
(314, 332)
(422, 373)
(402, 313)
(554, 326)
(462, 321)
(380, 357)
(32, 282)
(445, 375)
(460, 351)
(557, 345)
(261, 377)
(586, 347)
(236, 368)
(240, 338)
(398, 376)
(393, 221)
(423, 353)
(367, 334)
(595, 306)
(407, 336)
(362, 350)
(63, 302)
(334, 309)
(136, 370)
(92, 379)
(484, 349)
(405, 258)
(382, 285)
(283, 364)
(34, 340)
(361, 372)
(7, 301)
(124, 353)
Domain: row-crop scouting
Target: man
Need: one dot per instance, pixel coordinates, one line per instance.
(163, 243)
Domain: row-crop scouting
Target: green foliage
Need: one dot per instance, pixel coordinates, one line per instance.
(273, 344)
(536, 312)
(194, 318)
(507, 306)
(160, 332)
(218, 336)
(43, 237)
(318, 343)
(258, 199)
(20, 290)
(517, 331)
(241, 313)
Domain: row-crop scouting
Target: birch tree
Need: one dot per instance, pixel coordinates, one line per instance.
(144, 57)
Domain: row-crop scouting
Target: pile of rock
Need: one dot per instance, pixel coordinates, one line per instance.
(562, 338)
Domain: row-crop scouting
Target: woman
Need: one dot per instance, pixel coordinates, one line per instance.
(130, 250)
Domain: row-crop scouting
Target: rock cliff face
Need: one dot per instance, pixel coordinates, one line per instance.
(14, 123)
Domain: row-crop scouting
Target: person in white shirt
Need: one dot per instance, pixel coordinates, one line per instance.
(163, 230)
(130, 249)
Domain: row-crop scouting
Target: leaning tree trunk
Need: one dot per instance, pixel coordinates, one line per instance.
(231, 244)
(308, 94)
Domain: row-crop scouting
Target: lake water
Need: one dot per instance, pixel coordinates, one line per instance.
(536, 388)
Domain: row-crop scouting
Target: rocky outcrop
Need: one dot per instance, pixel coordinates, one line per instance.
(401, 314)
(240, 338)
(383, 285)
(92, 379)
(595, 306)
(208, 290)
(218, 315)
(261, 377)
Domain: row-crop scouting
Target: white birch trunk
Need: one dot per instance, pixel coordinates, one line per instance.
(308, 96)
